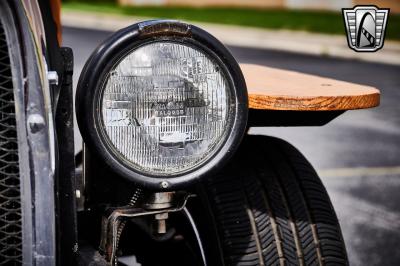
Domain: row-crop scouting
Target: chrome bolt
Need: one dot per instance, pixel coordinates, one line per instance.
(52, 76)
(164, 184)
(36, 122)
(161, 222)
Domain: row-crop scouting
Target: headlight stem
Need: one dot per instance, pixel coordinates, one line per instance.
(115, 217)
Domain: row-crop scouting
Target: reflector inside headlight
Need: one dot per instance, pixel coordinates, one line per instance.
(165, 108)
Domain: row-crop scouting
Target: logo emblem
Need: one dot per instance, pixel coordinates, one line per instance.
(365, 27)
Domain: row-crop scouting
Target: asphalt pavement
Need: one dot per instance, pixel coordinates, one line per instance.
(357, 154)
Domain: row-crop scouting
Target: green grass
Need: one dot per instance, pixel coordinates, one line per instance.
(312, 21)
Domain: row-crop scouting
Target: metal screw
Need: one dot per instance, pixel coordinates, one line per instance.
(161, 222)
(52, 76)
(36, 122)
(164, 184)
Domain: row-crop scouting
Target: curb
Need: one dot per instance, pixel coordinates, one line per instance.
(280, 40)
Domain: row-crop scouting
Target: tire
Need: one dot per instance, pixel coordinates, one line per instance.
(268, 207)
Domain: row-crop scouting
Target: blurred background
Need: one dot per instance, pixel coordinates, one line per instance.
(358, 154)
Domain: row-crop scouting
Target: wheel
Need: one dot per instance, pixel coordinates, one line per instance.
(268, 207)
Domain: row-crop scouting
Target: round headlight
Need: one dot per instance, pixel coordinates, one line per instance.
(162, 103)
(165, 108)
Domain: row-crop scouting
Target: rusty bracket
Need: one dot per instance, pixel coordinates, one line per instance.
(113, 217)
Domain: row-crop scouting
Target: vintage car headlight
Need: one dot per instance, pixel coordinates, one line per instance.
(162, 102)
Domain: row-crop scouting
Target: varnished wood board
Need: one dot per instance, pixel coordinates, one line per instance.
(276, 89)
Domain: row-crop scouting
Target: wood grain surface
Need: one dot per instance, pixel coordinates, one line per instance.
(276, 89)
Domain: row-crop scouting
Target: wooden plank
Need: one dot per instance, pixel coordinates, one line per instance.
(276, 89)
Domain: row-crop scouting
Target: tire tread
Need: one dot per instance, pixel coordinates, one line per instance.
(274, 209)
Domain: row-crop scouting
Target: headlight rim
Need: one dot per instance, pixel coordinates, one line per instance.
(112, 51)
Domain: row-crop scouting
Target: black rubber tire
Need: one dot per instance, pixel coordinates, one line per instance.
(268, 207)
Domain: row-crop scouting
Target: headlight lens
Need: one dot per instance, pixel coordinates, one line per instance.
(165, 108)
(162, 103)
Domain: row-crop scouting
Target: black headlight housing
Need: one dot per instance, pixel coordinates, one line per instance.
(110, 53)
